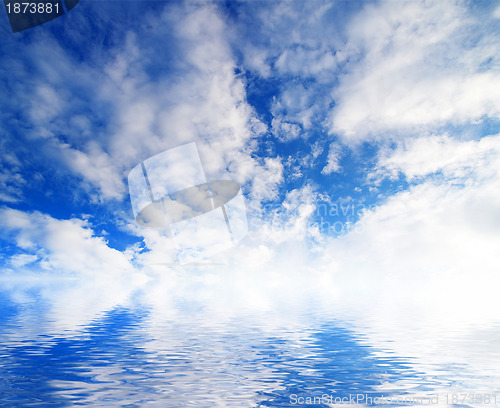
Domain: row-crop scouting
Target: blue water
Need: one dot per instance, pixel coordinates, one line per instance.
(60, 350)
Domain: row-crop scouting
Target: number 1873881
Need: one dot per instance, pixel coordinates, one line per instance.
(32, 8)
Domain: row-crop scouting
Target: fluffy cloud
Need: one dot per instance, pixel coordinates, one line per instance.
(417, 67)
(204, 100)
(442, 228)
(142, 102)
(66, 247)
(376, 70)
(307, 63)
(445, 226)
(292, 39)
(333, 160)
(96, 167)
(206, 103)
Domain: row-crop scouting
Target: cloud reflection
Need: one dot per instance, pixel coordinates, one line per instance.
(202, 338)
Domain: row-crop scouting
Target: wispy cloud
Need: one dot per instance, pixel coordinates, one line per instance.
(102, 122)
(12, 181)
(441, 155)
(418, 65)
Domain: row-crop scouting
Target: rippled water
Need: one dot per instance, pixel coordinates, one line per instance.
(67, 345)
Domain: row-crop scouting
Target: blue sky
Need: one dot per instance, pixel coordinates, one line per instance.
(364, 134)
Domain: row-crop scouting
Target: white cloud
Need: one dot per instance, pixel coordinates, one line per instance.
(426, 260)
(496, 13)
(433, 233)
(289, 222)
(67, 247)
(418, 68)
(206, 104)
(301, 46)
(333, 159)
(20, 260)
(256, 60)
(11, 178)
(379, 70)
(132, 110)
(207, 101)
(59, 112)
(295, 104)
(422, 264)
(427, 155)
(265, 184)
(307, 62)
(96, 167)
(285, 131)
(446, 225)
